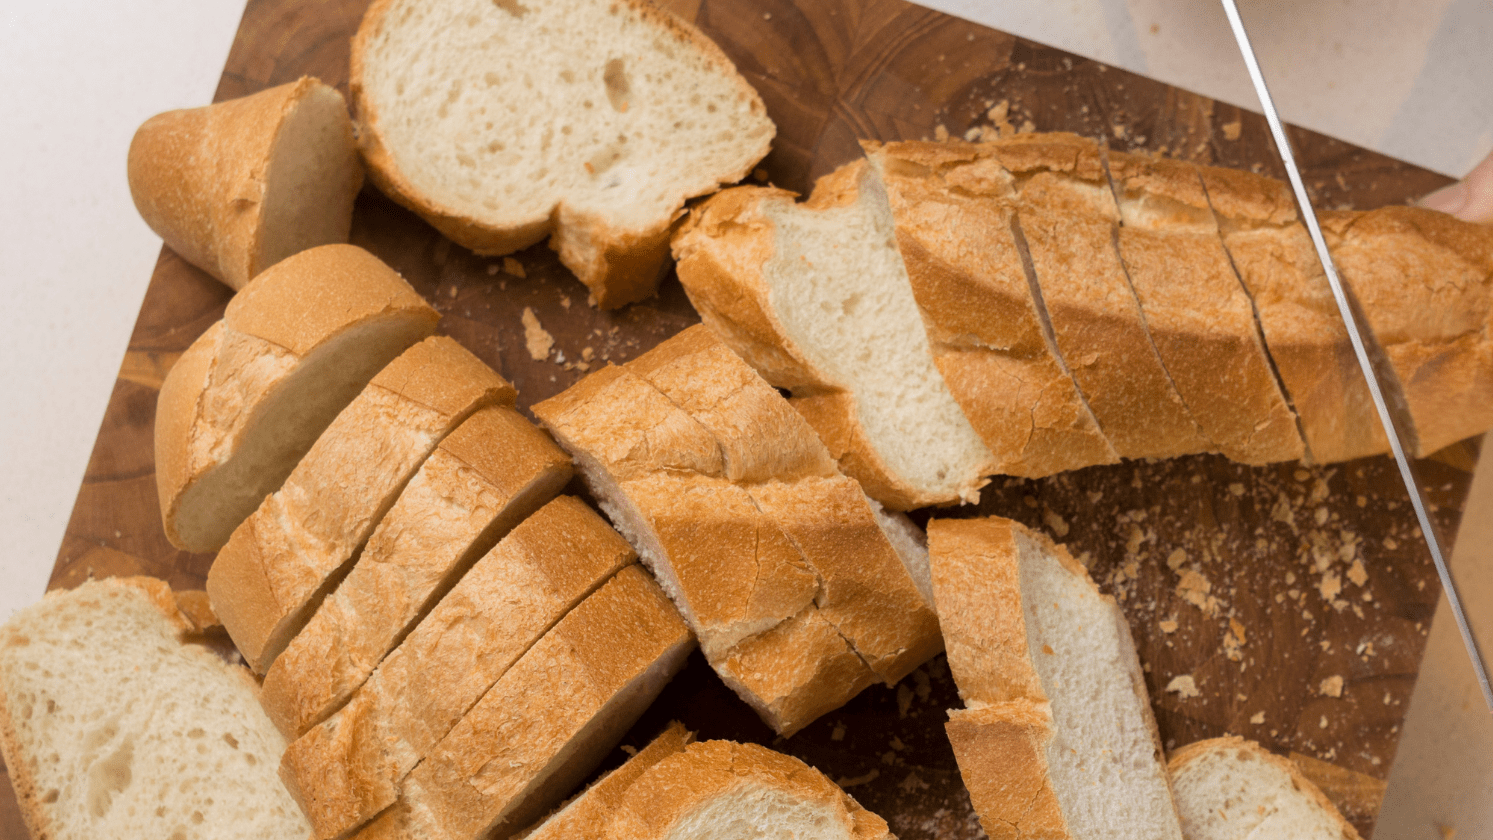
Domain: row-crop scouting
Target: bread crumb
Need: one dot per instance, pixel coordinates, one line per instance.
(1184, 686)
(536, 339)
(492, 268)
(1056, 522)
(1391, 543)
(629, 749)
(1177, 559)
(1357, 574)
(838, 733)
(1231, 130)
(1323, 723)
(759, 175)
(904, 700)
(1168, 626)
(565, 301)
(1047, 649)
(1236, 488)
(1258, 718)
(1331, 687)
(913, 783)
(940, 133)
(514, 267)
(846, 782)
(1330, 586)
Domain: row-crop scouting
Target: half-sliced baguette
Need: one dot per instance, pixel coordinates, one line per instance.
(1058, 738)
(251, 395)
(282, 559)
(113, 726)
(815, 297)
(1231, 789)
(588, 122)
(485, 477)
(348, 768)
(238, 186)
(547, 722)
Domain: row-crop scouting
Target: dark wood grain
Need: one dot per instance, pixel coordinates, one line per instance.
(1265, 541)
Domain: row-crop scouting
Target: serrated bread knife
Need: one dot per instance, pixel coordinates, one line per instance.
(1378, 387)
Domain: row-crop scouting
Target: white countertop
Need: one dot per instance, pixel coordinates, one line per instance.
(1411, 78)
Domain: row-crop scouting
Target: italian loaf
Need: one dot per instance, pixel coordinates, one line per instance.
(802, 591)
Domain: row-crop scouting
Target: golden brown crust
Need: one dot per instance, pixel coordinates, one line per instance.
(586, 817)
(177, 408)
(1180, 759)
(1002, 755)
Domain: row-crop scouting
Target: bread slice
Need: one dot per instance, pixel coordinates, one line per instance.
(727, 791)
(519, 750)
(489, 474)
(585, 817)
(348, 768)
(113, 726)
(815, 297)
(1066, 223)
(1058, 739)
(954, 207)
(589, 122)
(1199, 317)
(238, 186)
(1425, 281)
(1230, 788)
(251, 395)
(293, 548)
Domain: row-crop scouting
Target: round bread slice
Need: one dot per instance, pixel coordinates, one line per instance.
(1229, 788)
(238, 186)
(504, 122)
(251, 395)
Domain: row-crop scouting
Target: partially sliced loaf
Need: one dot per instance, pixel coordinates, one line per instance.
(588, 122)
(485, 477)
(720, 790)
(238, 186)
(112, 726)
(815, 296)
(1057, 705)
(954, 208)
(547, 722)
(1233, 789)
(282, 559)
(1200, 318)
(348, 768)
(252, 394)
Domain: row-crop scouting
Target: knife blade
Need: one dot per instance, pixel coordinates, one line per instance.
(1388, 401)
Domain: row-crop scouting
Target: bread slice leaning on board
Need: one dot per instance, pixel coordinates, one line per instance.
(1230, 789)
(1057, 737)
(719, 789)
(503, 123)
(246, 400)
(801, 590)
(282, 559)
(348, 768)
(1082, 305)
(113, 724)
(237, 186)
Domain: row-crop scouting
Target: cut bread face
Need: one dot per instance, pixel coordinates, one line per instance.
(294, 548)
(489, 474)
(801, 590)
(517, 753)
(1232, 789)
(252, 394)
(1057, 705)
(503, 123)
(236, 187)
(113, 726)
(823, 286)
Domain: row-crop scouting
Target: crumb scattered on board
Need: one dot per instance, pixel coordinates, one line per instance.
(1184, 686)
(514, 267)
(536, 338)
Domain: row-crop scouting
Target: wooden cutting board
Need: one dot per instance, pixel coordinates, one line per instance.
(1285, 604)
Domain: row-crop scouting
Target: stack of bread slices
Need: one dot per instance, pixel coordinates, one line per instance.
(946, 311)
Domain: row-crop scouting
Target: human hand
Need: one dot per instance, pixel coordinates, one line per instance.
(1470, 199)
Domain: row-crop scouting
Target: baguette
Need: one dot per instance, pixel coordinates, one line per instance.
(113, 726)
(1230, 788)
(489, 474)
(1057, 739)
(238, 186)
(282, 559)
(250, 396)
(589, 123)
(517, 753)
(348, 768)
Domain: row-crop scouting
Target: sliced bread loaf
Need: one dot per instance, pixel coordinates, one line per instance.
(1057, 739)
(250, 396)
(485, 477)
(588, 122)
(238, 186)
(548, 720)
(112, 726)
(280, 561)
(1233, 789)
(348, 768)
